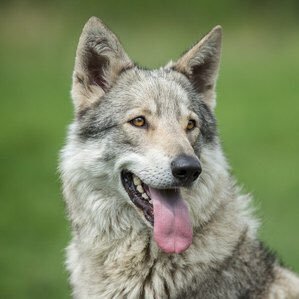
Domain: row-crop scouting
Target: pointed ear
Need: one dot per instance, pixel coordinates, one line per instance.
(100, 58)
(201, 63)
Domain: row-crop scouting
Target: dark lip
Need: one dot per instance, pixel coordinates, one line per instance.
(134, 195)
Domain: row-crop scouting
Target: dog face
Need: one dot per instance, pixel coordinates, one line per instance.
(141, 132)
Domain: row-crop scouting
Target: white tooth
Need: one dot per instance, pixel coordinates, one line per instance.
(144, 195)
(136, 180)
(150, 201)
(140, 189)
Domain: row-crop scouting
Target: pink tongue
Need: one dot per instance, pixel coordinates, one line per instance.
(172, 224)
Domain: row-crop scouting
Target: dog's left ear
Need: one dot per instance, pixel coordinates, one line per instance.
(100, 59)
(201, 63)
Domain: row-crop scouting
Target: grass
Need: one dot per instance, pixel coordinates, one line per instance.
(257, 113)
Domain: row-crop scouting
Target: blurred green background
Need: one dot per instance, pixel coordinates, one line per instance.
(257, 111)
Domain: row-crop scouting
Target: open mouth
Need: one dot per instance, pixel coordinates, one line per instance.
(139, 194)
(164, 209)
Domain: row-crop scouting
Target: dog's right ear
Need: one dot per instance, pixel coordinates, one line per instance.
(100, 58)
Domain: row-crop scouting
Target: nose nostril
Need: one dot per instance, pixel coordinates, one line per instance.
(181, 173)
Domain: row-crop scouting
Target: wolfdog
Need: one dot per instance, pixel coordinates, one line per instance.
(153, 208)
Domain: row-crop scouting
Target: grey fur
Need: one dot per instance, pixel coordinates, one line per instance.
(112, 253)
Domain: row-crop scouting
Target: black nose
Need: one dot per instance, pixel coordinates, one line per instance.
(186, 169)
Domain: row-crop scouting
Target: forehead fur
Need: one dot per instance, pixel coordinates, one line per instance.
(161, 90)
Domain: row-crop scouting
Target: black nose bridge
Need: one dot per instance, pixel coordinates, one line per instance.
(185, 168)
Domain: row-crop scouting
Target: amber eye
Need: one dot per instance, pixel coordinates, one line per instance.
(138, 122)
(191, 124)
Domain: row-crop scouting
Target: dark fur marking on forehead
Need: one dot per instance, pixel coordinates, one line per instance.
(163, 109)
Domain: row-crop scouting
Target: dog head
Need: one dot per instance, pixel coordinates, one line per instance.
(145, 133)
